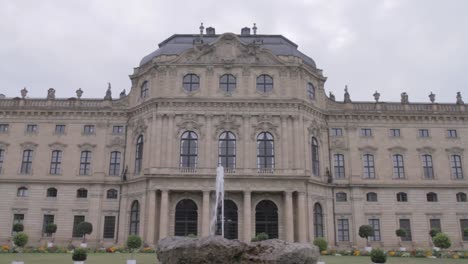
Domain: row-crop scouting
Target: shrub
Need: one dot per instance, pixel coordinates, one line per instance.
(400, 232)
(79, 254)
(260, 237)
(442, 240)
(378, 256)
(133, 242)
(18, 227)
(434, 232)
(365, 231)
(84, 228)
(20, 239)
(321, 243)
(50, 228)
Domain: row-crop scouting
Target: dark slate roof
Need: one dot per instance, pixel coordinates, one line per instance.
(277, 44)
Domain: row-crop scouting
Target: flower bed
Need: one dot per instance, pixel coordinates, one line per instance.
(42, 249)
(417, 253)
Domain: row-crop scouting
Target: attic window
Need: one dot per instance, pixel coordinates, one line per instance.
(191, 82)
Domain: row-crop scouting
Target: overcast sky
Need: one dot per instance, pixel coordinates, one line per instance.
(392, 46)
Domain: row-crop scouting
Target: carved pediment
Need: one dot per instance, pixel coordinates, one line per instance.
(265, 126)
(227, 123)
(368, 149)
(117, 142)
(57, 146)
(315, 129)
(139, 127)
(29, 145)
(397, 149)
(189, 123)
(455, 150)
(426, 150)
(3, 145)
(86, 146)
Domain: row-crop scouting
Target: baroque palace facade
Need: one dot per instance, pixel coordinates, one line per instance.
(298, 164)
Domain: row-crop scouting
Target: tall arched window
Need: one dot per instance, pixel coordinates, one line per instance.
(144, 90)
(369, 168)
(398, 166)
(227, 150)
(230, 220)
(264, 83)
(85, 162)
(139, 154)
(26, 164)
(134, 218)
(339, 166)
(188, 150)
(457, 171)
(186, 218)
(56, 162)
(315, 157)
(191, 82)
(114, 164)
(311, 91)
(428, 168)
(318, 220)
(227, 83)
(265, 151)
(266, 218)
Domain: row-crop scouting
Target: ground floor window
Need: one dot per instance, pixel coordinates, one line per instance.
(464, 227)
(266, 218)
(230, 220)
(375, 223)
(109, 226)
(76, 220)
(17, 219)
(186, 218)
(435, 224)
(406, 225)
(48, 219)
(318, 220)
(343, 230)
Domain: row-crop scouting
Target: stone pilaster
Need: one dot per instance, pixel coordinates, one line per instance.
(206, 214)
(151, 217)
(301, 214)
(247, 216)
(288, 217)
(164, 215)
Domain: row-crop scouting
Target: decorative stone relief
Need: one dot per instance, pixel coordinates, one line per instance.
(368, 149)
(455, 150)
(86, 146)
(265, 126)
(227, 123)
(3, 145)
(139, 127)
(397, 149)
(426, 149)
(117, 142)
(29, 145)
(189, 122)
(57, 146)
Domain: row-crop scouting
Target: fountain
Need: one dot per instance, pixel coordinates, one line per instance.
(219, 202)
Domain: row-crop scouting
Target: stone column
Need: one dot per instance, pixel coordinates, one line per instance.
(247, 216)
(151, 217)
(170, 141)
(301, 214)
(206, 214)
(164, 215)
(288, 217)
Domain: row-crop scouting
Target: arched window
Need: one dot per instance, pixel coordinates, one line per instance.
(191, 82)
(134, 218)
(186, 218)
(315, 157)
(311, 91)
(461, 197)
(139, 154)
(144, 90)
(318, 220)
(227, 150)
(22, 192)
(369, 168)
(265, 151)
(371, 197)
(56, 162)
(398, 166)
(188, 150)
(266, 219)
(427, 166)
(339, 166)
(51, 192)
(112, 194)
(81, 193)
(264, 83)
(457, 171)
(341, 197)
(402, 197)
(431, 197)
(26, 164)
(114, 164)
(85, 162)
(227, 83)
(230, 220)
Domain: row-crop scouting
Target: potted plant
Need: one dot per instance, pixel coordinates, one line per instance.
(20, 240)
(79, 256)
(401, 233)
(133, 242)
(84, 228)
(50, 230)
(378, 256)
(365, 231)
(442, 241)
(322, 244)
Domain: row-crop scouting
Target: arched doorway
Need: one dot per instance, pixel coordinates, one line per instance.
(230, 220)
(266, 218)
(186, 218)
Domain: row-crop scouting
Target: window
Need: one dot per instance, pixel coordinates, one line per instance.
(461, 197)
(82, 193)
(2, 157)
(343, 230)
(371, 197)
(339, 166)
(188, 150)
(369, 169)
(398, 166)
(112, 194)
(4, 128)
(266, 219)
(402, 197)
(431, 197)
(56, 162)
(144, 90)
(134, 218)
(17, 219)
(139, 154)
(52, 192)
(311, 91)
(395, 132)
(427, 166)
(48, 219)
(191, 82)
(265, 151)
(31, 128)
(336, 132)
(366, 132)
(457, 171)
(375, 223)
(227, 83)
(230, 220)
(435, 224)
(109, 227)
(318, 220)
(424, 133)
(227, 150)
(26, 164)
(452, 133)
(88, 129)
(464, 226)
(264, 83)
(114, 166)
(406, 225)
(117, 130)
(85, 162)
(77, 219)
(59, 129)
(341, 197)
(22, 192)
(315, 157)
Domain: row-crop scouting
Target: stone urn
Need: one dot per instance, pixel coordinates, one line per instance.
(131, 261)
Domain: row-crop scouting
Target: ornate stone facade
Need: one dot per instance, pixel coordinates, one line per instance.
(320, 162)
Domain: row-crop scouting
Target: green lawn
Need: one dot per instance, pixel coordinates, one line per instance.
(391, 260)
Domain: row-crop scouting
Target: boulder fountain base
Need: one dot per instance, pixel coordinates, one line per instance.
(218, 250)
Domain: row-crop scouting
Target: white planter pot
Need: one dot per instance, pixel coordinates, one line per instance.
(320, 262)
(368, 249)
(50, 244)
(131, 261)
(84, 245)
(17, 262)
(436, 249)
(78, 262)
(402, 249)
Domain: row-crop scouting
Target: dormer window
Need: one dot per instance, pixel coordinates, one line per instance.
(311, 91)
(264, 83)
(144, 90)
(191, 82)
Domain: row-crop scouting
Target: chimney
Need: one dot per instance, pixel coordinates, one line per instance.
(210, 31)
(245, 31)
